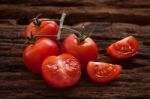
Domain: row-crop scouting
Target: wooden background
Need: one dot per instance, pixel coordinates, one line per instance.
(112, 20)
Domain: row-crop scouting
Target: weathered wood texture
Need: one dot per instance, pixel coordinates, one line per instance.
(134, 82)
(129, 17)
(133, 11)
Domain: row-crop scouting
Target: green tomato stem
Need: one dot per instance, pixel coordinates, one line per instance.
(79, 36)
(50, 20)
(45, 35)
(77, 33)
(61, 26)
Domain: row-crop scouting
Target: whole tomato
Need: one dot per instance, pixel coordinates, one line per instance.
(84, 50)
(61, 71)
(34, 54)
(42, 26)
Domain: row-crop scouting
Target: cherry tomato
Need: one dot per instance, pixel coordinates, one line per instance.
(34, 54)
(45, 27)
(124, 48)
(61, 71)
(103, 72)
(84, 51)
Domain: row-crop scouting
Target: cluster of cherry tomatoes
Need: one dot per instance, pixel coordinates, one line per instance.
(61, 64)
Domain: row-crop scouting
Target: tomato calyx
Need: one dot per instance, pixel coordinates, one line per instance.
(80, 35)
(36, 21)
(31, 39)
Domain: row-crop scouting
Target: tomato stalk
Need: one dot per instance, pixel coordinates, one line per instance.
(48, 20)
(45, 36)
(73, 30)
(80, 35)
(61, 26)
(32, 39)
(77, 33)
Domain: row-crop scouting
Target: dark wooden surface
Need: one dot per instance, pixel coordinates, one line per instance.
(129, 17)
(133, 11)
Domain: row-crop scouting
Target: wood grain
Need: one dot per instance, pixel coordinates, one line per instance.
(131, 11)
(16, 82)
(118, 3)
(112, 20)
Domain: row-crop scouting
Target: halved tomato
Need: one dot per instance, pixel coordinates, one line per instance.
(103, 72)
(61, 71)
(124, 48)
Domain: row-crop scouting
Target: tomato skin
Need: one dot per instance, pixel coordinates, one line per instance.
(47, 27)
(124, 48)
(61, 71)
(84, 51)
(101, 72)
(34, 54)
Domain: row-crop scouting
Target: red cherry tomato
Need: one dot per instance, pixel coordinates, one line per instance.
(103, 72)
(34, 54)
(61, 71)
(124, 48)
(46, 27)
(84, 51)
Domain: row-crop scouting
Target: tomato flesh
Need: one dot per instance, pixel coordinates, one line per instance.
(103, 72)
(124, 48)
(84, 51)
(61, 71)
(34, 54)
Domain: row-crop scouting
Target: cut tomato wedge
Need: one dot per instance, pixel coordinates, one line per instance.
(103, 72)
(124, 48)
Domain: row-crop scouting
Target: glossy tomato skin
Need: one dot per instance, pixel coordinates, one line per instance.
(61, 71)
(34, 54)
(124, 48)
(84, 51)
(101, 72)
(47, 27)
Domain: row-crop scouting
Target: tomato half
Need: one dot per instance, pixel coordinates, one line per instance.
(46, 27)
(34, 54)
(124, 48)
(84, 51)
(103, 72)
(61, 71)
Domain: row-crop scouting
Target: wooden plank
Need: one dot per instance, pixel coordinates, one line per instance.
(16, 82)
(69, 3)
(131, 11)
